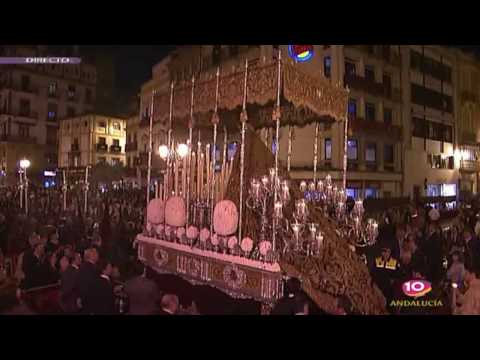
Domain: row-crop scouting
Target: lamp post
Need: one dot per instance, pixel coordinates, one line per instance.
(24, 165)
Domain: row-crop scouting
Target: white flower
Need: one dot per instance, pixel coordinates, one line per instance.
(192, 232)
(265, 247)
(247, 244)
(168, 230)
(204, 235)
(214, 240)
(232, 241)
(180, 232)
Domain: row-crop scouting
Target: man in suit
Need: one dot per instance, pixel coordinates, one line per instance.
(472, 247)
(69, 285)
(103, 297)
(143, 293)
(286, 305)
(88, 274)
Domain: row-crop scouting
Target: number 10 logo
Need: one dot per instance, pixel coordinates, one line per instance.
(416, 288)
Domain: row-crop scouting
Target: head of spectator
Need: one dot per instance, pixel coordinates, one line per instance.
(33, 239)
(44, 239)
(471, 273)
(39, 250)
(54, 239)
(386, 253)
(293, 287)
(76, 260)
(467, 234)
(105, 267)
(64, 263)
(457, 257)
(169, 304)
(91, 255)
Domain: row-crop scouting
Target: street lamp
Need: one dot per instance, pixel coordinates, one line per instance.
(24, 165)
(163, 151)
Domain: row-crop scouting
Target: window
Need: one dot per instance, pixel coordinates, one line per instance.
(52, 89)
(431, 98)
(24, 107)
(102, 140)
(116, 126)
(102, 124)
(353, 193)
(70, 111)
(101, 160)
(388, 154)
(370, 193)
(23, 131)
(75, 141)
(216, 55)
(71, 92)
(328, 149)
(350, 69)
(386, 52)
(387, 116)
(25, 82)
(369, 111)
(116, 142)
(327, 66)
(116, 161)
(52, 112)
(88, 96)
(352, 108)
(387, 84)
(352, 150)
(371, 152)
(233, 50)
(371, 49)
(370, 73)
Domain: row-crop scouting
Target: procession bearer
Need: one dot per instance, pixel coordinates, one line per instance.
(385, 272)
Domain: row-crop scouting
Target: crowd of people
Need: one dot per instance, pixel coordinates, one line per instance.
(419, 244)
(91, 255)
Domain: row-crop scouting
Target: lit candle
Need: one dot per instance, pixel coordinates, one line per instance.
(184, 177)
(202, 164)
(278, 210)
(328, 180)
(156, 189)
(285, 193)
(319, 238)
(265, 180)
(208, 168)
(311, 186)
(176, 176)
(272, 175)
(193, 163)
(313, 229)
(255, 186)
(320, 185)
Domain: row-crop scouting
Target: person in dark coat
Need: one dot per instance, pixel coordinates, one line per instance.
(432, 249)
(143, 293)
(35, 268)
(472, 247)
(69, 286)
(103, 297)
(88, 274)
(286, 305)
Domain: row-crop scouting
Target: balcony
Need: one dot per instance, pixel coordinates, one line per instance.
(358, 125)
(18, 139)
(469, 138)
(378, 53)
(23, 89)
(372, 87)
(115, 148)
(26, 115)
(102, 147)
(469, 165)
(468, 96)
(131, 146)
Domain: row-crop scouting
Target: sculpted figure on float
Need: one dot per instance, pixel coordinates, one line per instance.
(175, 211)
(225, 218)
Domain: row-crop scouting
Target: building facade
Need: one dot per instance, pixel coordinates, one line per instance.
(413, 114)
(33, 100)
(91, 139)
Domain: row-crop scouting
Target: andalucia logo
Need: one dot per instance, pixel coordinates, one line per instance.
(416, 289)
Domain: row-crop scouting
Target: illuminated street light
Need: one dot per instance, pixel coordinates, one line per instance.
(182, 150)
(25, 164)
(163, 151)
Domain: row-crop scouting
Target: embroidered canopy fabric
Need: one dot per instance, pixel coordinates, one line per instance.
(317, 96)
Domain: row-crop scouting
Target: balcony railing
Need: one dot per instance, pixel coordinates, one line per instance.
(131, 146)
(389, 57)
(19, 139)
(470, 165)
(102, 147)
(19, 113)
(359, 125)
(372, 87)
(24, 89)
(115, 148)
